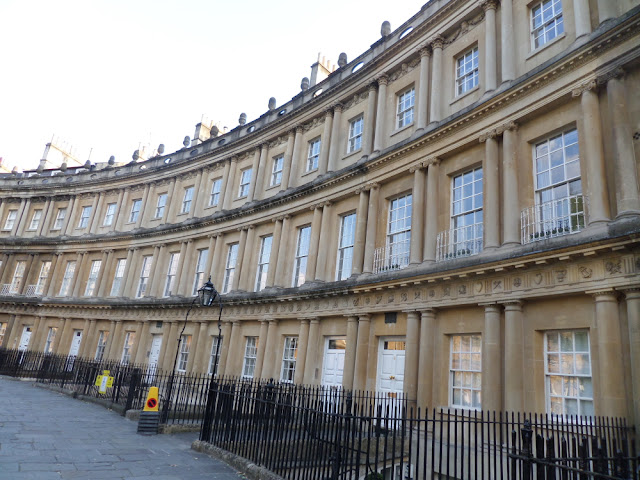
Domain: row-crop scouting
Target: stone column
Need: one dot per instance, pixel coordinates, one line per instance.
(506, 38)
(196, 194)
(99, 288)
(17, 226)
(46, 217)
(436, 78)
(423, 87)
(167, 208)
(370, 118)
(513, 357)
(335, 146)
(379, 138)
(606, 10)
(325, 142)
(370, 239)
(66, 226)
(184, 248)
(217, 268)
(411, 359)
(362, 353)
(582, 17)
(143, 206)
(49, 284)
(280, 278)
(76, 282)
(153, 279)
(258, 155)
(88, 334)
(314, 242)
(9, 332)
(311, 362)
(610, 363)
(183, 286)
(262, 172)
(300, 376)
(35, 334)
(166, 332)
(141, 347)
(193, 350)
(491, 189)
(138, 342)
(350, 353)
(107, 349)
(32, 259)
(230, 183)
(325, 227)
(262, 346)
(223, 185)
(123, 216)
(510, 191)
(230, 340)
(361, 231)
(96, 209)
(201, 348)
(491, 356)
(633, 318)
(247, 263)
(61, 338)
(417, 216)
(210, 250)
(431, 223)
(119, 209)
(296, 159)
(126, 279)
(238, 271)
(491, 52)
(275, 246)
(425, 358)
(288, 155)
(172, 345)
(269, 367)
(626, 173)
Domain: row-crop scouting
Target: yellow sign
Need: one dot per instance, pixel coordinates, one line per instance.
(104, 381)
(151, 405)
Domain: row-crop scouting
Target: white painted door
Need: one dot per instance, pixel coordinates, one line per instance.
(154, 354)
(24, 340)
(391, 366)
(333, 364)
(75, 343)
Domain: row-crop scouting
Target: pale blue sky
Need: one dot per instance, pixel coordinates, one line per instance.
(108, 75)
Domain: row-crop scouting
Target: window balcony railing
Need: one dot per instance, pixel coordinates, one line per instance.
(34, 290)
(459, 242)
(6, 289)
(393, 256)
(553, 219)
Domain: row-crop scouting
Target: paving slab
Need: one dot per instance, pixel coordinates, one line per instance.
(47, 435)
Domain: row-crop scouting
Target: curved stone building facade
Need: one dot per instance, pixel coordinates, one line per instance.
(454, 215)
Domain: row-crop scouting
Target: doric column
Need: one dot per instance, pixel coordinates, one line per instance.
(77, 279)
(141, 344)
(370, 240)
(223, 186)
(261, 172)
(510, 191)
(262, 346)
(100, 283)
(126, 280)
(37, 327)
(71, 208)
(491, 356)
(138, 341)
(594, 153)
(611, 366)
(296, 156)
(513, 357)
(378, 141)
(431, 223)
(230, 339)
(423, 87)
(275, 246)
(632, 296)
(280, 278)
(258, 155)
(239, 259)
(288, 155)
(506, 38)
(200, 353)
(61, 338)
(367, 144)
(362, 353)
(49, 284)
(144, 206)
(606, 10)
(491, 189)
(183, 275)
(109, 345)
(350, 353)
(18, 224)
(88, 335)
(172, 346)
(46, 217)
(425, 358)
(269, 368)
(123, 213)
(417, 215)
(209, 263)
(245, 271)
(303, 343)
(96, 208)
(312, 353)
(626, 173)
(411, 359)
(321, 264)
(361, 231)
(325, 142)
(491, 52)
(229, 185)
(314, 242)
(436, 77)
(582, 17)
(153, 280)
(335, 146)
(12, 330)
(184, 248)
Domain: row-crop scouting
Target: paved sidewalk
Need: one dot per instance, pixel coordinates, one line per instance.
(46, 435)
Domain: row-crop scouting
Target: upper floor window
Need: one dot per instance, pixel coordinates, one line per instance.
(42, 277)
(66, 279)
(466, 213)
(467, 71)
(263, 262)
(302, 252)
(59, 221)
(230, 269)
(35, 220)
(135, 210)
(355, 134)
(93, 278)
(546, 22)
(567, 365)
(399, 232)
(18, 274)
(289, 355)
(245, 181)
(186, 200)
(345, 246)
(144, 276)
(161, 205)
(11, 219)
(118, 277)
(214, 198)
(313, 155)
(250, 356)
(557, 165)
(84, 217)
(405, 107)
(201, 264)
(174, 258)
(276, 171)
(109, 215)
(185, 347)
(465, 371)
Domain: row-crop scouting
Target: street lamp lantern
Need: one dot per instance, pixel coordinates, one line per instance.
(207, 293)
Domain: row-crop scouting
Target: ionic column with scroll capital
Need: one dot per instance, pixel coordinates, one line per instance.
(230, 184)
(288, 155)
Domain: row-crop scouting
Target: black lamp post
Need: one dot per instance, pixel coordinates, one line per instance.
(206, 296)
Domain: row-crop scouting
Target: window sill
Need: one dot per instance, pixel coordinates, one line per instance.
(465, 94)
(182, 213)
(210, 206)
(271, 187)
(310, 172)
(402, 129)
(156, 219)
(533, 53)
(242, 196)
(351, 154)
(452, 409)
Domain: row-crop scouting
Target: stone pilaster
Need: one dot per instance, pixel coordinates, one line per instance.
(436, 78)
(325, 142)
(513, 356)
(303, 344)
(379, 136)
(335, 146)
(361, 231)
(370, 239)
(491, 359)
(431, 223)
(425, 358)
(510, 191)
(410, 384)
(417, 215)
(350, 353)
(491, 52)
(423, 87)
(262, 346)
(312, 259)
(362, 353)
(288, 155)
(491, 189)
(230, 184)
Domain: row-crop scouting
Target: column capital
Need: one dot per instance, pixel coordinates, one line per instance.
(584, 87)
(373, 186)
(291, 133)
(428, 311)
(632, 291)
(372, 87)
(511, 305)
(299, 129)
(351, 318)
(337, 107)
(417, 167)
(424, 50)
(617, 72)
(437, 41)
(491, 134)
(435, 161)
(365, 317)
(273, 321)
(108, 251)
(490, 306)
(382, 79)
(489, 4)
(513, 126)
(328, 112)
(82, 252)
(604, 294)
(233, 159)
(133, 249)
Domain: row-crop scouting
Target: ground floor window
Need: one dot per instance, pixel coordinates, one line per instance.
(102, 344)
(128, 346)
(466, 371)
(51, 336)
(250, 355)
(289, 356)
(185, 347)
(3, 329)
(215, 354)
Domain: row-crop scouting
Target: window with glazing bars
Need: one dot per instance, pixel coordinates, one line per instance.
(313, 155)
(405, 108)
(546, 22)
(201, 264)
(186, 200)
(110, 215)
(66, 279)
(230, 269)
(302, 253)
(35, 220)
(144, 276)
(214, 198)
(355, 134)
(118, 277)
(289, 356)
(250, 356)
(466, 371)
(276, 170)
(174, 258)
(185, 347)
(467, 71)
(85, 215)
(345, 247)
(263, 262)
(93, 278)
